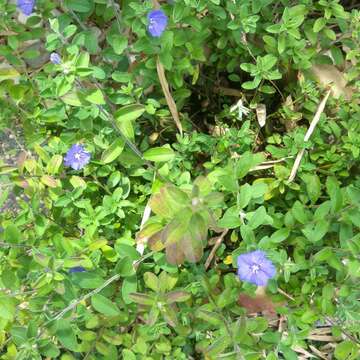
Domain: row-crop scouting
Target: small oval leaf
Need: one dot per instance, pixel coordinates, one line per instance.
(159, 154)
(113, 151)
(129, 112)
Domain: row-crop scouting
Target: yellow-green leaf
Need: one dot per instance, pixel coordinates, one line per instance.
(159, 154)
(113, 151)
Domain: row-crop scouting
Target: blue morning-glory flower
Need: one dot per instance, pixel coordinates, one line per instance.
(76, 269)
(26, 6)
(157, 22)
(55, 58)
(77, 157)
(254, 267)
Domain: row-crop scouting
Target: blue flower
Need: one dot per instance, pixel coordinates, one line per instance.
(55, 58)
(157, 22)
(77, 157)
(254, 267)
(26, 6)
(76, 269)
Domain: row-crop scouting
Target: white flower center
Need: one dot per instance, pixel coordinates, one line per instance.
(255, 268)
(77, 156)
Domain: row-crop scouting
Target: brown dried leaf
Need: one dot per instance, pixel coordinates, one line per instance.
(330, 75)
(169, 99)
(174, 254)
(259, 303)
(261, 114)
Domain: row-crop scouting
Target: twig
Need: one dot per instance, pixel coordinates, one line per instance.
(218, 242)
(309, 132)
(282, 292)
(144, 257)
(269, 164)
(85, 297)
(349, 336)
(169, 99)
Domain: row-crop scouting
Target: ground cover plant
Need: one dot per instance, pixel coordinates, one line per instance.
(179, 179)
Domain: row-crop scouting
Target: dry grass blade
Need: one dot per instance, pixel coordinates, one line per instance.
(311, 129)
(318, 352)
(147, 212)
(325, 338)
(306, 353)
(169, 99)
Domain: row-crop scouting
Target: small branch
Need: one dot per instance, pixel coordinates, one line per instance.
(282, 292)
(269, 164)
(345, 333)
(309, 132)
(217, 244)
(85, 297)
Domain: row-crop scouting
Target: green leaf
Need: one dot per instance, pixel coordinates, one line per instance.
(72, 98)
(259, 217)
(113, 151)
(104, 306)
(281, 43)
(7, 308)
(333, 189)
(7, 73)
(128, 355)
(119, 43)
(12, 235)
(268, 61)
(346, 350)
(313, 186)
(129, 112)
(251, 85)
(245, 195)
(324, 254)
(280, 235)
(66, 335)
(151, 281)
(319, 24)
(248, 161)
(53, 166)
(129, 286)
(95, 96)
(82, 6)
(159, 154)
(316, 232)
(125, 267)
(127, 128)
(231, 218)
(209, 317)
(87, 280)
(247, 234)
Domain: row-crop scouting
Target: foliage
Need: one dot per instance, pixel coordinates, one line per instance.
(247, 77)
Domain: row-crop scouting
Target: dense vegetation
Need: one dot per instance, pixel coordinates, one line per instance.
(182, 180)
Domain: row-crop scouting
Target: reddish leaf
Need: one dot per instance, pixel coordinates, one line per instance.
(176, 296)
(174, 254)
(168, 201)
(259, 303)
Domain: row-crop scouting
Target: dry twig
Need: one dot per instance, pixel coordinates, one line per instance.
(311, 128)
(217, 244)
